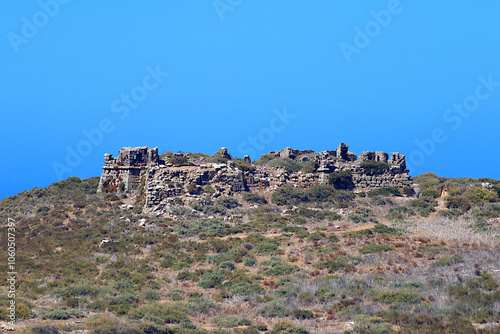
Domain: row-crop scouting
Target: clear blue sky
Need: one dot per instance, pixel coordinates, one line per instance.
(417, 77)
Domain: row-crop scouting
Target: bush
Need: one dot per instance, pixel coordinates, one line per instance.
(277, 267)
(249, 261)
(303, 314)
(478, 195)
(399, 213)
(166, 313)
(47, 329)
(285, 327)
(404, 296)
(62, 313)
(340, 263)
(266, 248)
(211, 280)
(431, 193)
(254, 198)
(372, 167)
(362, 215)
(243, 165)
(150, 294)
(424, 206)
(375, 248)
(447, 261)
(179, 161)
(287, 164)
(228, 202)
(225, 321)
(383, 229)
(275, 309)
(246, 289)
(288, 195)
(341, 180)
(371, 325)
(457, 202)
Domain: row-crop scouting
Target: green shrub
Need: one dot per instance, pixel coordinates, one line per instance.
(340, 263)
(246, 289)
(285, 327)
(179, 161)
(250, 261)
(362, 215)
(399, 213)
(275, 309)
(277, 267)
(189, 276)
(175, 294)
(341, 180)
(46, 329)
(333, 238)
(62, 313)
(316, 236)
(287, 164)
(372, 167)
(228, 202)
(225, 321)
(166, 313)
(404, 296)
(243, 165)
(478, 195)
(431, 193)
(457, 202)
(375, 248)
(254, 198)
(288, 195)
(263, 159)
(266, 248)
(372, 325)
(303, 314)
(424, 206)
(447, 261)
(383, 229)
(211, 280)
(150, 294)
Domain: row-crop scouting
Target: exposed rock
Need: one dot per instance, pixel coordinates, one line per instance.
(142, 167)
(222, 153)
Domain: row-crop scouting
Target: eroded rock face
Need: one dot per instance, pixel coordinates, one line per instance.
(163, 182)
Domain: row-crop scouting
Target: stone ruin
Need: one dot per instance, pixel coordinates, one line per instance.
(161, 180)
(128, 168)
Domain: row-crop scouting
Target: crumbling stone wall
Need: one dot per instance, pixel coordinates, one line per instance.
(164, 181)
(127, 168)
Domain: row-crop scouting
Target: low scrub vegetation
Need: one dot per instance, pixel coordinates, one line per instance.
(298, 261)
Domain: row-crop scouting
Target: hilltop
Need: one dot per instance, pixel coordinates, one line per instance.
(194, 243)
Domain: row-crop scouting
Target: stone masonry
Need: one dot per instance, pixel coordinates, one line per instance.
(164, 180)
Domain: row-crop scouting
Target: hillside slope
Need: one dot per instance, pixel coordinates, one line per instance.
(317, 260)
